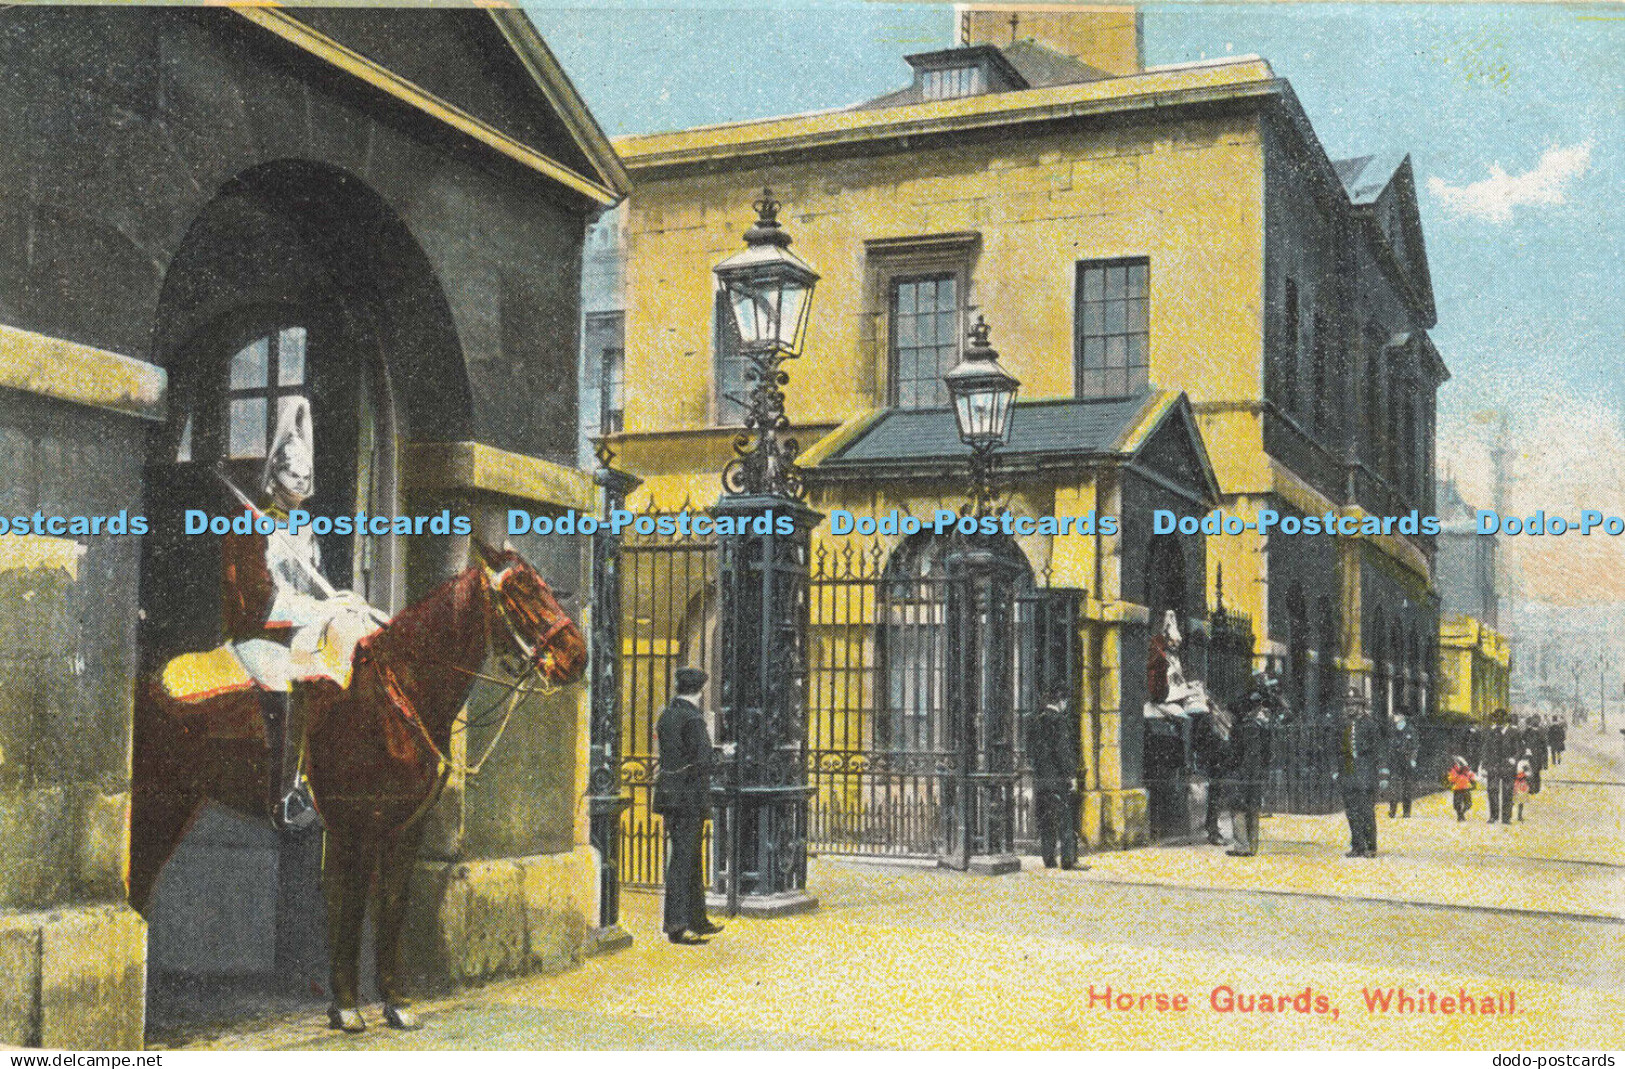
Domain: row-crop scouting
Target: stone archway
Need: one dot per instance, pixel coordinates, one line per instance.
(296, 279)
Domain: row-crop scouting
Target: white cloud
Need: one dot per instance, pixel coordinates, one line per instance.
(1493, 198)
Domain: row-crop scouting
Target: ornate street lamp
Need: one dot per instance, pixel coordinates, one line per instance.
(769, 290)
(981, 600)
(759, 857)
(983, 394)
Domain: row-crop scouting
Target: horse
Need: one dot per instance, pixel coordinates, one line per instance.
(377, 753)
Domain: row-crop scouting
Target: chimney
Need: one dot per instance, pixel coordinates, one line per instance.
(1106, 38)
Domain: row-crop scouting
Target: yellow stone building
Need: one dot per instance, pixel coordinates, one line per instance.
(1475, 669)
(1174, 242)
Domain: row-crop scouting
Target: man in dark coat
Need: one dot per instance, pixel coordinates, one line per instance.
(1055, 772)
(1403, 750)
(1556, 738)
(682, 797)
(1211, 744)
(1498, 765)
(1536, 749)
(1250, 765)
(1360, 774)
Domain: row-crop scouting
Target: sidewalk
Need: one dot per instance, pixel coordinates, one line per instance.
(910, 957)
(1568, 855)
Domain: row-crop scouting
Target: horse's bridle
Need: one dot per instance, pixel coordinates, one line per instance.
(534, 657)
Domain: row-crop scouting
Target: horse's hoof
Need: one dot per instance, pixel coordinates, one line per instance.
(402, 1018)
(346, 1020)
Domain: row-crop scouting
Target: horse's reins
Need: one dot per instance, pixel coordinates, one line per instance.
(402, 705)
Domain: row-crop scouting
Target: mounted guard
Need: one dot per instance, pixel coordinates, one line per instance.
(283, 621)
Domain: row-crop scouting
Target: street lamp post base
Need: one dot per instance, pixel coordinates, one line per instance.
(786, 904)
(991, 864)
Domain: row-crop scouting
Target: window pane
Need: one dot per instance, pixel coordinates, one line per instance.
(1137, 315)
(1094, 280)
(1116, 383)
(1094, 318)
(946, 328)
(290, 357)
(1138, 378)
(247, 419)
(928, 297)
(250, 365)
(1136, 351)
(905, 298)
(906, 337)
(1092, 384)
(1116, 281)
(1115, 318)
(1138, 276)
(1116, 352)
(1094, 351)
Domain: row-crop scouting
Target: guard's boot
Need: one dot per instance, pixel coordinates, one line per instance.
(274, 710)
(294, 808)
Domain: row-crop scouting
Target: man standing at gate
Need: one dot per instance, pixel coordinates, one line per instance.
(682, 797)
(1055, 772)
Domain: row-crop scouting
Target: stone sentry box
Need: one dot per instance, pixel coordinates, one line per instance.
(73, 421)
(506, 883)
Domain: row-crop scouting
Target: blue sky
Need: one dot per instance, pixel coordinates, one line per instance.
(1528, 303)
(1512, 115)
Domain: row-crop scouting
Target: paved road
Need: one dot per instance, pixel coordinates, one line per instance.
(1528, 915)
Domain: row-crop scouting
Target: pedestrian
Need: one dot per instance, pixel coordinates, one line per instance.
(1403, 750)
(1211, 745)
(1249, 765)
(1461, 779)
(1498, 765)
(1556, 738)
(1360, 774)
(1523, 781)
(682, 797)
(1536, 746)
(1054, 758)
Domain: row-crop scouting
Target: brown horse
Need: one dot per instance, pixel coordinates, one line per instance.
(377, 753)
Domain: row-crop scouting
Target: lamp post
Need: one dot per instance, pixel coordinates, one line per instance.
(760, 856)
(769, 290)
(983, 395)
(981, 602)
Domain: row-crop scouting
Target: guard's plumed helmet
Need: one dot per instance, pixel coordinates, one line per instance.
(291, 463)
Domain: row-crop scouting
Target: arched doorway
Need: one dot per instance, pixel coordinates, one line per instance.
(295, 281)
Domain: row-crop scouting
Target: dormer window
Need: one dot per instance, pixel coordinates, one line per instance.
(963, 72)
(952, 82)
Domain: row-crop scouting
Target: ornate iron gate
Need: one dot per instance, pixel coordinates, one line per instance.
(668, 619)
(895, 766)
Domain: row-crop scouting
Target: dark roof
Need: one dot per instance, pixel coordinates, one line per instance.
(1024, 64)
(1365, 177)
(1040, 428)
(1043, 66)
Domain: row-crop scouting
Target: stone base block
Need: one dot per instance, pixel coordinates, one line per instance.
(994, 864)
(473, 921)
(782, 905)
(1115, 820)
(74, 979)
(608, 940)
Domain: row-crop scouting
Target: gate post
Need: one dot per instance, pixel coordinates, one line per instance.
(760, 851)
(604, 799)
(981, 610)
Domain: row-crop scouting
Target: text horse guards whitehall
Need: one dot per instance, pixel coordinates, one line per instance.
(377, 751)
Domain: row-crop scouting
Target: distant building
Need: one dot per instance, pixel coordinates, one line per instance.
(1475, 660)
